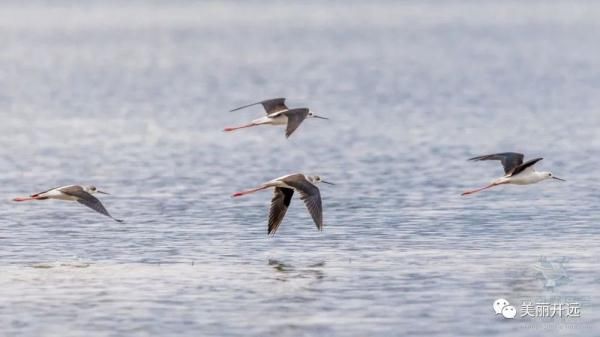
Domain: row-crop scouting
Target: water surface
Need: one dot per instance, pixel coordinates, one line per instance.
(133, 99)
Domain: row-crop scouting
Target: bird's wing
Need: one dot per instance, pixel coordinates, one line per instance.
(73, 190)
(279, 206)
(270, 105)
(525, 166)
(48, 190)
(311, 196)
(295, 118)
(509, 160)
(87, 199)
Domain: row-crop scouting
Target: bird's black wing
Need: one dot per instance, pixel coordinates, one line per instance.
(87, 199)
(270, 105)
(295, 118)
(525, 166)
(509, 160)
(279, 206)
(311, 196)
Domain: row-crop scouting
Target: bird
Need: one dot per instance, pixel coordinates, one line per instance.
(81, 194)
(516, 171)
(284, 188)
(278, 114)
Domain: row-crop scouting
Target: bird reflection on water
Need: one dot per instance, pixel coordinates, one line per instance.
(286, 272)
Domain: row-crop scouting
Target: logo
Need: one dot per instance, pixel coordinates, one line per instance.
(502, 306)
(543, 308)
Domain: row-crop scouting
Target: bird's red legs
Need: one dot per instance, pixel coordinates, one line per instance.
(481, 189)
(239, 194)
(240, 127)
(26, 199)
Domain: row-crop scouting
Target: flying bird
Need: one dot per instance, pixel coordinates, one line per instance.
(278, 114)
(515, 170)
(284, 188)
(81, 194)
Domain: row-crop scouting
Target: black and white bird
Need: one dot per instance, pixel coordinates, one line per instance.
(284, 188)
(516, 171)
(278, 114)
(81, 194)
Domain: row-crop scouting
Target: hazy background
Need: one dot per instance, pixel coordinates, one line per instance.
(132, 97)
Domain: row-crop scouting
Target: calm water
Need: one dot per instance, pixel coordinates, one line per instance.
(133, 99)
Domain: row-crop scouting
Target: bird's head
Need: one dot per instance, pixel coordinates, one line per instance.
(91, 189)
(549, 175)
(313, 115)
(316, 179)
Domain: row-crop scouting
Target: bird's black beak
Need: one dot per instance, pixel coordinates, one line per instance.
(102, 192)
(326, 182)
(558, 179)
(320, 117)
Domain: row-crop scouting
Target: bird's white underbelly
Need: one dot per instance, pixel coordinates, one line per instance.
(525, 179)
(56, 194)
(280, 119)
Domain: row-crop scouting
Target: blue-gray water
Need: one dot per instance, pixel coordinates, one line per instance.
(133, 98)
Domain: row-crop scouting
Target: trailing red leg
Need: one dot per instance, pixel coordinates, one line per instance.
(239, 127)
(479, 189)
(27, 199)
(239, 194)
